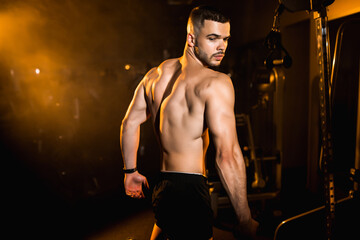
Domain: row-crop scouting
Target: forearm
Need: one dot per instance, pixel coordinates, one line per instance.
(232, 172)
(129, 143)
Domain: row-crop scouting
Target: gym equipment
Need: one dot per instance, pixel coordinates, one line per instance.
(326, 87)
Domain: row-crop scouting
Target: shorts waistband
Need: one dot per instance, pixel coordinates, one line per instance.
(182, 176)
(182, 173)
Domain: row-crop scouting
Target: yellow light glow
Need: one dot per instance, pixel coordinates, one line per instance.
(37, 71)
(127, 67)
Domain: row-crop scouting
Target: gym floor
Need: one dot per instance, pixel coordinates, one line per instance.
(30, 210)
(118, 217)
(139, 226)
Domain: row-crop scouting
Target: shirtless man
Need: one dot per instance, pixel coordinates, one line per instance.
(186, 100)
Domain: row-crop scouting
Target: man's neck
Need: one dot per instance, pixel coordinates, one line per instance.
(189, 58)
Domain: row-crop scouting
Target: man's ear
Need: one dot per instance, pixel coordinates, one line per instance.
(191, 39)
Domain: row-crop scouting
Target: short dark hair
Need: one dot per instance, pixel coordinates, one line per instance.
(199, 14)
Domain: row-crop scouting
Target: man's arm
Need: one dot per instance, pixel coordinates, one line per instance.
(220, 117)
(136, 114)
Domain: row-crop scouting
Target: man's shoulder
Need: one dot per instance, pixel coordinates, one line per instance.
(165, 68)
(212, 82)
(169, 63)
(215, 79)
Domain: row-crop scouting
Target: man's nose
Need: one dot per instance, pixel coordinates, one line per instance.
(221, 46)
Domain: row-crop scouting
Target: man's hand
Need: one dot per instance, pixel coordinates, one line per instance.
(133, 185)
(247, 230)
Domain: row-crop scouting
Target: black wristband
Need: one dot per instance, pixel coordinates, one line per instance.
(131, 170)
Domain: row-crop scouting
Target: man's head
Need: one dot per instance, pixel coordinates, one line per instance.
(208, 33)
(198, 16)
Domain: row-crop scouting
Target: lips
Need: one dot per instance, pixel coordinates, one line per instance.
(218, 56)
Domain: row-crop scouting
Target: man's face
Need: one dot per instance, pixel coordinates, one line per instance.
(211, 42)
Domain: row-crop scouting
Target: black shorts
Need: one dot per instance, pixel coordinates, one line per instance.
(182, 206)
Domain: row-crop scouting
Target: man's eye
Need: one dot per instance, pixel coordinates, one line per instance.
(212, 39)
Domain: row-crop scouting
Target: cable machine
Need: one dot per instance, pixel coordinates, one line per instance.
(273, 42)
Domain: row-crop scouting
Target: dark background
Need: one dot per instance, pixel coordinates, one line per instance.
(60, 128)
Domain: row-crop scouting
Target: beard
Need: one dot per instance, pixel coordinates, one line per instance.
(204, 58)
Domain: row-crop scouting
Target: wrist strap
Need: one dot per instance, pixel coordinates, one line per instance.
(131, 170)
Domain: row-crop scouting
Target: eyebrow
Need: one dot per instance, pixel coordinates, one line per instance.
(217, 35)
